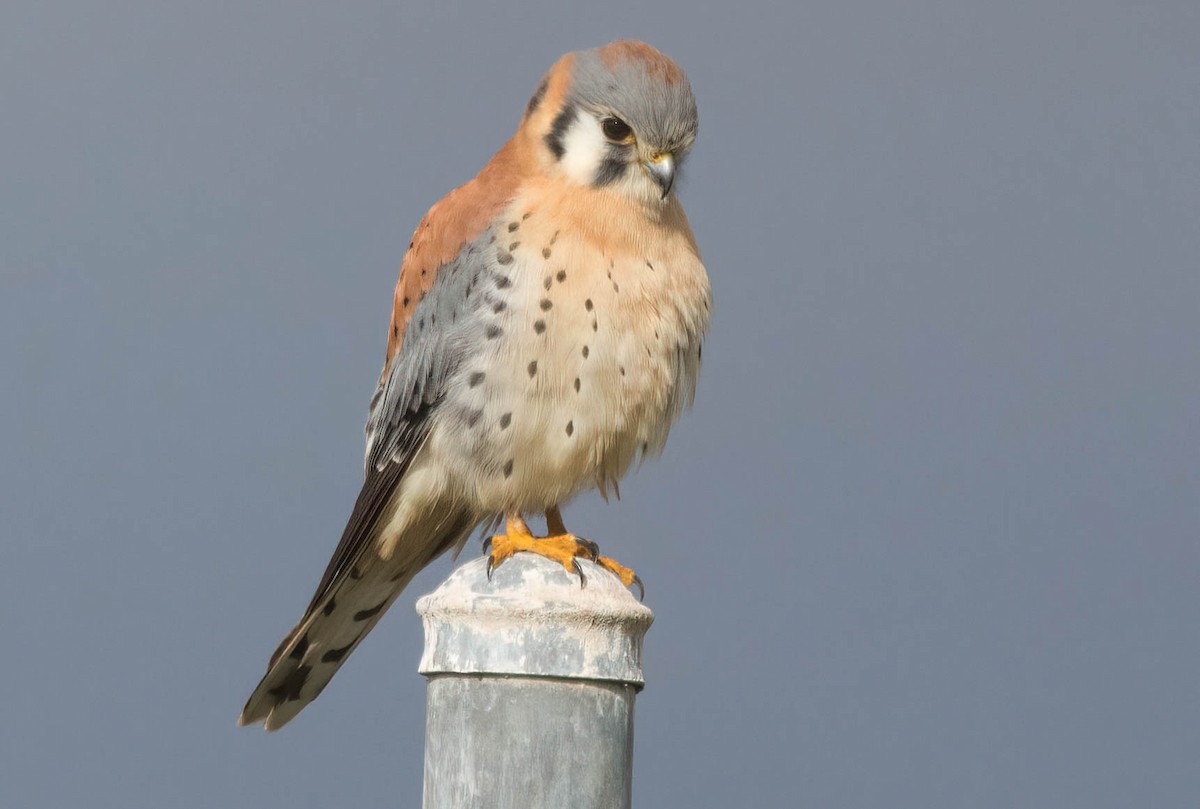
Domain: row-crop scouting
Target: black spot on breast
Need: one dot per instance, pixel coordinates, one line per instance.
(577, 384)
(363, 615)
(588, 304)
(546, 284)
(473, 417)
(561, 276)
(493, 332)
(586, 351)
(532, 368)
(570, 427)
(330, 606)
(504, 257)
(514, 246)
(503, 282)
(526, 215)
(648, 264)
(546, 304)
(508, 465)
(404, 302)
(513, 226)
(595, 326)
(545, 252)
(622, 370)
(499, 307)
(474, 379)
(539, 326)
(505, 420)
(355, 573)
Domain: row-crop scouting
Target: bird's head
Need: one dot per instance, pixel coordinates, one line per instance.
(621, 116)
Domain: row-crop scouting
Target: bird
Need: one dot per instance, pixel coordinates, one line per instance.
(546, 332)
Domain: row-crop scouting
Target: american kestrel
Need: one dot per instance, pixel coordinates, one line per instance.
(545, 334)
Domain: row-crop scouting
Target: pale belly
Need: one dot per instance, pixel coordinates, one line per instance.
(584, 364)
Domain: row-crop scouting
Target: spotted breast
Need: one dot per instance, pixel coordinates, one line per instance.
(589, 354)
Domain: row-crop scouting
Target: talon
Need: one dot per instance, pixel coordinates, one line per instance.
(561, 546)
(627, 576)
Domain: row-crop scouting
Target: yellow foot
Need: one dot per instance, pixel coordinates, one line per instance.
(562, 547)
(627, 576)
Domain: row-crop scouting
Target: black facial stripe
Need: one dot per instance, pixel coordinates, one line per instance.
(554, 140)
(538, 95)
(612, 167)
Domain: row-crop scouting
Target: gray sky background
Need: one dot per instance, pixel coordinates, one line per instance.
(929, 538)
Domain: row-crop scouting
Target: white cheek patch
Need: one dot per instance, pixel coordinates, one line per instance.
(584, 147)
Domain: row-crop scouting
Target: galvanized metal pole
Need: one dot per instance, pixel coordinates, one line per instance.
(531, 687)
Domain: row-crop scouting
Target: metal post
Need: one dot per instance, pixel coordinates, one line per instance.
(531, 687)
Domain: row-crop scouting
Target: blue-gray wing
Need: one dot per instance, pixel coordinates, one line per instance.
(353, 591)
(441, 331)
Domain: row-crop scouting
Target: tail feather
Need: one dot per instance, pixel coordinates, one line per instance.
(315, 649)
(337, 621)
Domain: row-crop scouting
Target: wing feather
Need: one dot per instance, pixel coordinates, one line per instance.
(436, 292)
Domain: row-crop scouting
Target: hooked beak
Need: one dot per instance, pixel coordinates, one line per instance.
(662, 169)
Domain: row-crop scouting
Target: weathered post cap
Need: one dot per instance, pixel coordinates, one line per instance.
(533, 618)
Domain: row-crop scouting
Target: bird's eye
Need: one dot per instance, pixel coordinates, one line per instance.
(616, 130)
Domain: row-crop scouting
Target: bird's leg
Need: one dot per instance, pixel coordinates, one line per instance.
(562, 548)
(554, 521)
(560, 545)
(557, 529)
